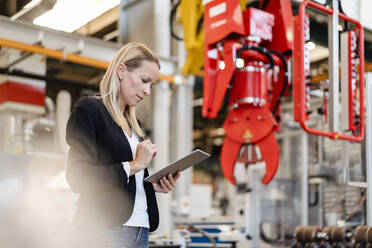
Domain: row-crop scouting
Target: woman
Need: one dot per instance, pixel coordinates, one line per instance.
(108, 157)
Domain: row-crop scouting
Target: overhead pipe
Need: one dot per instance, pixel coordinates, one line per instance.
(71, 57)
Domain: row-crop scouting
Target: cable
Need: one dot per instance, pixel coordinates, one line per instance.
(285, 84)
(316, 197)
(171, 18)
(265, 238)
(192, 228)
(340, 8)
(277, 240)
(200, 25)
(356, 209)
(253, 4)
(228, 92)
(329, 3)
(262, 50)
(264, 5)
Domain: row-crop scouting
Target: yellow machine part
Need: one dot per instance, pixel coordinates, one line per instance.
(243, 4)
(190, 12)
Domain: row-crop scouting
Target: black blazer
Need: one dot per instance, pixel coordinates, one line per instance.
(98, 147)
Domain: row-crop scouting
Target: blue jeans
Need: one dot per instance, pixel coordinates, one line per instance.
(119, 237)
(127, 236)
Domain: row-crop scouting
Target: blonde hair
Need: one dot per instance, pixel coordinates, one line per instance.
(131, 55)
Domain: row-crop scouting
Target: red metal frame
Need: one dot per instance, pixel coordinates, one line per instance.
(299, 74)
(352, 81)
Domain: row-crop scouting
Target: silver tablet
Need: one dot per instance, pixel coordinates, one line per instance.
(181, 164)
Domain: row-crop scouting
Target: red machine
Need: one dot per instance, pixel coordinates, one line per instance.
(246, 54)
(242, 49)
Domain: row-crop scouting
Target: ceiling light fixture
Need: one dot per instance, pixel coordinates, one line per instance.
(311, 45)
(69, 15)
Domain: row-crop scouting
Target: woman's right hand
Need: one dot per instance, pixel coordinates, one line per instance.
(145, 152)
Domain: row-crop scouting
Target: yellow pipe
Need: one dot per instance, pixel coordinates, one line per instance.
(71, 57)
(168, 78)
(54, 54)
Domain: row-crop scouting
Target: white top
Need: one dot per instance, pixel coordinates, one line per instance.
(139, 217)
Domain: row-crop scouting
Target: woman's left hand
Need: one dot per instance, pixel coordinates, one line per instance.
(166, 184)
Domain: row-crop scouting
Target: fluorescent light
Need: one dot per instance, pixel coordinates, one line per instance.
(69, 15)
(311, 45)
(319, 53)
(31, 4)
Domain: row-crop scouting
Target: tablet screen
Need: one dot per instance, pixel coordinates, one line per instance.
(181, 164)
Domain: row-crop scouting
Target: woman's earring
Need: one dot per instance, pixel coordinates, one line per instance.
(120, 78)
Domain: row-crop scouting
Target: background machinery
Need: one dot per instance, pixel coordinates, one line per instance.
(254, 53)
(246, 59)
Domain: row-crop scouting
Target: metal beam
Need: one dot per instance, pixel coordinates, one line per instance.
(304, 179)
(29, 14)
(161, 109)
(333, 69)
(109, 17)
(181, 141)
(368, 143)
(161, 116)
(22, 32)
